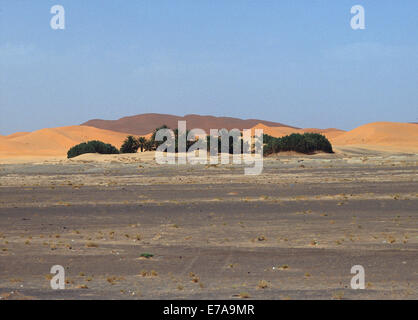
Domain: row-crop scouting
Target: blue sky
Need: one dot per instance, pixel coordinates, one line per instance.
(295, 62)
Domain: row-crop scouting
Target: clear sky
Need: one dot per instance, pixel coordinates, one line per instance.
(292, 61)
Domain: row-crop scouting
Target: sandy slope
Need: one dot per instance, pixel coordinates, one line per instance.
(54, 141)
(392, 136)
(16, 134)
(387, 137)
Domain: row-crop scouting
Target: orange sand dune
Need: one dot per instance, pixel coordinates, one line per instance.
(392, 134)
(55, 141)
(16, 134)
(283, 131)
(8, 148)
(387, 136)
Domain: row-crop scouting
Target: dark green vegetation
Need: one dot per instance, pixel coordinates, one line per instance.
(130, 145)
(93, 146)
(303, 143)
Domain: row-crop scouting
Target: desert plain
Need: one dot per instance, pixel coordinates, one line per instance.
(125, 227)
(293, 232)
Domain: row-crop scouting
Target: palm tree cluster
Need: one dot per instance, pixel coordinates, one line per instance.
(132, 144)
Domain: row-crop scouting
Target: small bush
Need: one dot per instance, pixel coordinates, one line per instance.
(130, 145)
(93, 146)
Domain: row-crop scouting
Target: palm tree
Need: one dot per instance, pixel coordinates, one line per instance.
(130, 145)
(142, 141)
(148, 146)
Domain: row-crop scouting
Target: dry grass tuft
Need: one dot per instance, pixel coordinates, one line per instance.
(244, 295)
(91, 245)
(262, 284)
(112, 280)
(151, 273)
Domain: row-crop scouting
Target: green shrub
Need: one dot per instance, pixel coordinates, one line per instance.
(130, 145)
(93, 146)
(303, 143)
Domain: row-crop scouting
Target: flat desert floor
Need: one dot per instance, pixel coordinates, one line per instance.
(293, 232)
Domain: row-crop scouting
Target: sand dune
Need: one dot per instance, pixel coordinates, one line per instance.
(16, 134)
(55, 141)
(380, 136)
(392, 135)
(283, 131)
(145, 123)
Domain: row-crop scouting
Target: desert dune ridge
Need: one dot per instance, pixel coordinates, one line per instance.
(387, 137)
(381, 133)
(397, 137)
